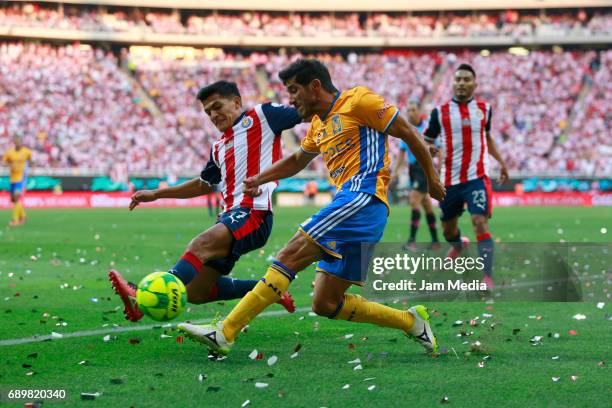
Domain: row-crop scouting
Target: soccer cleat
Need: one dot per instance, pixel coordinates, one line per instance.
(434, 246)
(489, 282)
(410, 246)
(421, 330)
(453, 253)
(127, 292)
(286, 301)
(209, 334)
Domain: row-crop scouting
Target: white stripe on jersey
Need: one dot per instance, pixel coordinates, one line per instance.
(474, 157)
(240, 144)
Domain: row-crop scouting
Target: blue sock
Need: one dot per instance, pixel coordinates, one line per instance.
(486, 248)
(187, 267)
(229, 288)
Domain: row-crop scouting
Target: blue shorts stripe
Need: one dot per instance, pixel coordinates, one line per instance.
(322, 226)
(358, 206)
(311, 230)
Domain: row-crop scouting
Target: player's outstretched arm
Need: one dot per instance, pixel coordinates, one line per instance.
(402, 129)
(189, 189)
(503, 176)
(287, 167)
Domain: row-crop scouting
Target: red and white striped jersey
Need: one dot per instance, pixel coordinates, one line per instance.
(461, 127)
(246, 149)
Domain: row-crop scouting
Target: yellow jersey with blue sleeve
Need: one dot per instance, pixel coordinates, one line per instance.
(18, 163)
(351, 136)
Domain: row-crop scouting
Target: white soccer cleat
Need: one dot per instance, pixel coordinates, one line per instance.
(208, 334)
(421, 330)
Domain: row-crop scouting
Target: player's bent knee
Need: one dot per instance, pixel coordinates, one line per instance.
(324, 307)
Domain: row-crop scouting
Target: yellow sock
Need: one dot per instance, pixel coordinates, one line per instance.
(21, 210)
(267, 291)
(358, 309)
(16, 211)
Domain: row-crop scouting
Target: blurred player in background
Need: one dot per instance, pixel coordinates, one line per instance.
(464, 127)
(349, 129)
(249, 143)
(418, 183)
(18, 158)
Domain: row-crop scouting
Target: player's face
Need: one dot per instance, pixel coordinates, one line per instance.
(464, 84)
(222, 110)
(303, 98)
(17, 143)
(414, 114)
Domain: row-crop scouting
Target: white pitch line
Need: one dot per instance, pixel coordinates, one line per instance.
(111, 330)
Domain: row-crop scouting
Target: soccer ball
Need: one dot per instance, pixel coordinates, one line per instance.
(161, 296)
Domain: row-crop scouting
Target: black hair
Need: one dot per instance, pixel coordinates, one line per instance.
(223, 88)
(306, 70)
(466, 67)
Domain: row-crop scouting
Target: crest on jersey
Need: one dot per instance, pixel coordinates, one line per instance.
(336, 124)
(480, 115)
(246, 123)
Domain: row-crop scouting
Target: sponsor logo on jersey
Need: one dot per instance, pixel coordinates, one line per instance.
(382, 111)
(336, 124)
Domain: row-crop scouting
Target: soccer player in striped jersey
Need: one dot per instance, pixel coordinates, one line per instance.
(418, 184)
(349, 130)
(463, 126)
(249, 143)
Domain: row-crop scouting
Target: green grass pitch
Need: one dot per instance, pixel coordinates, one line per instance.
(53, 274)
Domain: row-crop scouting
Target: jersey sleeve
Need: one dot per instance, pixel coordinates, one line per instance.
(29, 155)
(211, 173)
(308, 143)
(433, 127)
(6, 158)
(488, 124)
(280, 117)
(372, 109)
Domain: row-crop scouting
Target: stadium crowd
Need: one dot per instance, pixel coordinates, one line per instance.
(283, 24)
(78, 108)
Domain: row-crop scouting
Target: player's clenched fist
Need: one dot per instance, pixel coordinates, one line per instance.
(436, 189)
(142, 196)
(251, 187)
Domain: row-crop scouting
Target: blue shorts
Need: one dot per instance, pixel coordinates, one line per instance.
(16, 187)
(250, 229)
(475, 193)
(340, 229)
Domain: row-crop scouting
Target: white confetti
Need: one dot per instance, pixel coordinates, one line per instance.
(555, 357)
(272, 360)
(245, 403)
(55, 335)
(604, 230)
(355, 361)
(371, 387)
(555, 379)
(600, 305)
(358, 367)
(312, 314)
(294, 355)
(579, 316)
(346, 386)
(556, 335)
(369, 379)
(261, 385)
(253, 354)
(164, 336)
(202, 377)
(348, 336)
(106, 338)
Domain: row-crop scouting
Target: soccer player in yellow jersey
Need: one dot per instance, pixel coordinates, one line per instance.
(349, 129)
(17, 158)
